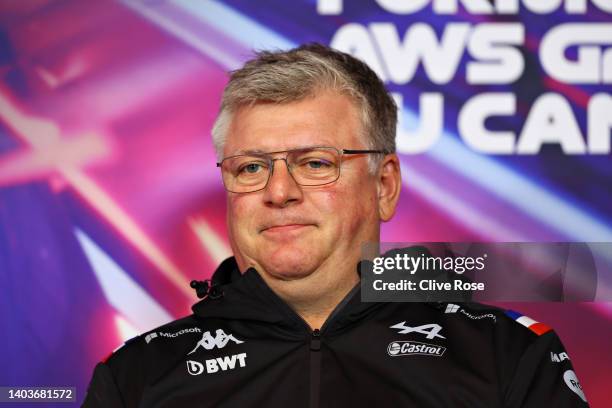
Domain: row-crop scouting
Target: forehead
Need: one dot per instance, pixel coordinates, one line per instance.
(326, 119)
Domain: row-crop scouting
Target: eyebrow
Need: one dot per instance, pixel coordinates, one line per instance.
(248, 151)
(260, 152)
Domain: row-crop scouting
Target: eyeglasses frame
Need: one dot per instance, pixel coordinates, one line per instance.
(266, 155)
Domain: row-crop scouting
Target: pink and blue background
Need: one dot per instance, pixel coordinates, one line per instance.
(110, 202)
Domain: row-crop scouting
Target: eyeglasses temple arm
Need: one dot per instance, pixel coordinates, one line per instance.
(351, 151)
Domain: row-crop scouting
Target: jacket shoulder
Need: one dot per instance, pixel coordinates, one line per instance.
(533, 366)
(132, 349)
(507, 334)
(123, 375)
(506, 320)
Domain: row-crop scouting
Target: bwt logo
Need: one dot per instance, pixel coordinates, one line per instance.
(213, 365)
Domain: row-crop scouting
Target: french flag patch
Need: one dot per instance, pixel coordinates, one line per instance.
(536, 327)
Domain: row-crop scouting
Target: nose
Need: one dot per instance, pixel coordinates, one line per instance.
(282, 190)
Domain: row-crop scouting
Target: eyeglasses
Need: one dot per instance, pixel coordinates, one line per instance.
(309, 166)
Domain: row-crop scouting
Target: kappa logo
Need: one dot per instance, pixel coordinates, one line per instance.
(452, 308)
(215, 365)
(430, 330)
(409, 348)
(220, 340)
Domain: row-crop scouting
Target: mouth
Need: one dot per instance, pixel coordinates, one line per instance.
(285, 228)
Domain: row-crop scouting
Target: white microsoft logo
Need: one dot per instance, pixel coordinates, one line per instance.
(160, 334)
(452, 308)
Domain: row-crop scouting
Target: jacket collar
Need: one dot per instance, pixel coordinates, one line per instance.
(246, 296)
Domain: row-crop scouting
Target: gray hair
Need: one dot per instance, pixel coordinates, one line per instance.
(288, 76)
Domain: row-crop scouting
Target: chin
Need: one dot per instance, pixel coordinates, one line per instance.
(289, 270)
(290, 264)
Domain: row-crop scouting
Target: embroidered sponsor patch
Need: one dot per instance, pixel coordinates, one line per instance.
(573, 384)
(431, 330)
(409, 348)
(215, 365)
(219, 340)
(453, 308)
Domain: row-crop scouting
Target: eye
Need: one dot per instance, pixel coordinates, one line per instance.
(251, 168)
(317, 164)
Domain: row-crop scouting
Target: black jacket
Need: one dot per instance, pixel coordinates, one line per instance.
(245, 347)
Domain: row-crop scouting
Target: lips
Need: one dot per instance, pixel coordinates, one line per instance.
(285, 227)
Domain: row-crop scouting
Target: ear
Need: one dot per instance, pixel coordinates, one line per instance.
(389, 182)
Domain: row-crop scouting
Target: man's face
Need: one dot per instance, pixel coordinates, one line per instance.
(289, 231)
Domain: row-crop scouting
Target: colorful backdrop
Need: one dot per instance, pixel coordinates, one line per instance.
(110, 202)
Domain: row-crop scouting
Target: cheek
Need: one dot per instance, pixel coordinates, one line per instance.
(328, 203)
(240, 213)
(347, 208)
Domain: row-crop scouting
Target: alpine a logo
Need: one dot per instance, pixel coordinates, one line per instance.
(430, 331)
(220, 340)
(411, 348)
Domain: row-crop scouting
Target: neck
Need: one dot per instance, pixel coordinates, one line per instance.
(317, 314)
(316, 296)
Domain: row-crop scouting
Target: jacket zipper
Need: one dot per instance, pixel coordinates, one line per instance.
(315, 368)
(315, 356)
(314, 345)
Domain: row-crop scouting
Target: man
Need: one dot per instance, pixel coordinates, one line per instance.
(306, 142)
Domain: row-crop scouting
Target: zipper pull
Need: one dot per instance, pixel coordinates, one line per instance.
(315, 340)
